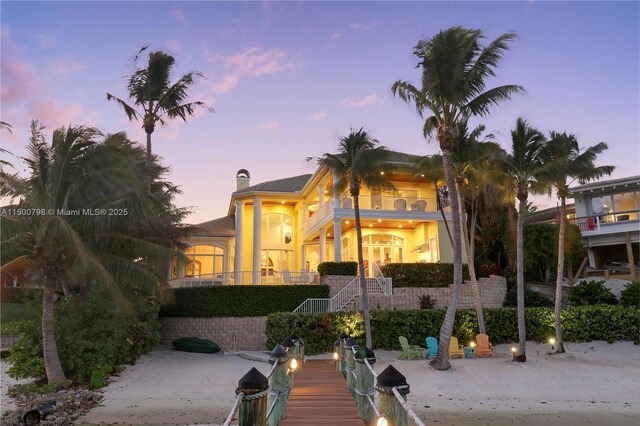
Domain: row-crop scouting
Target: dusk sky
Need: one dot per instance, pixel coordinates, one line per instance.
(288, 79)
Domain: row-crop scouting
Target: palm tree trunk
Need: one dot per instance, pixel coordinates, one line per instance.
(148, 161)
(470, 262)
(441, 362)
(559, 274)
(52, 365)
(363, 279)
(522, 333)
(444, 218)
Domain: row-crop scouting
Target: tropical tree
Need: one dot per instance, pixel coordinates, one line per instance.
(155, 97)
(524, 165)
(93, 221)
(455, 67)
(568, 163)
(359, 162)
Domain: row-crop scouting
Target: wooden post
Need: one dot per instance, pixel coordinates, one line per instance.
(343, 337)
(364, 384)
(253, 407)
(336, 356)
(388, 405)
(279, 383)
(350, 367)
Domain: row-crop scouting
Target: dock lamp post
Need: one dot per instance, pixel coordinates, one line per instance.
(552, 342)
(513, 352)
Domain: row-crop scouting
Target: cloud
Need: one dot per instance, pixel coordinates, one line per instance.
(367, 101)
(317, 116)
(45, 40)
(65, 67)
(271, 125)
(334, 37)
(361, 26)
(256, 62)
(179, 15)
(174, 46)
(225, 84)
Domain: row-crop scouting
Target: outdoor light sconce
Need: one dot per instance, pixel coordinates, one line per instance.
(336, 356)
(552, 342)
(472, 345)
(513, 352)
(293, 364)
(382, 421)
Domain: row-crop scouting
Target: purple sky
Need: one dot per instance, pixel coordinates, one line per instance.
(288, 79)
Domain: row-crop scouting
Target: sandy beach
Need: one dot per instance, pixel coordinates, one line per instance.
(594, 383)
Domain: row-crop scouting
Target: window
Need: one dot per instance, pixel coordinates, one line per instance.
(203, 260)
(277, 229)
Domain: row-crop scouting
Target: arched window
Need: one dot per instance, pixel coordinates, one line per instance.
(276, 242)
(204, 261)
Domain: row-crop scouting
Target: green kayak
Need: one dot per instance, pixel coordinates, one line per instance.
(195, 344)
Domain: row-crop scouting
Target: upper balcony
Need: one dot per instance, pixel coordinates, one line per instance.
(610, 223)
(403, 206)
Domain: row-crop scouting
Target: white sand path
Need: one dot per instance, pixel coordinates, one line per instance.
(594, 383)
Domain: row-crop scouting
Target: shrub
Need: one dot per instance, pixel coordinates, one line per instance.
(338, 268)
(240, 301)
(532, 299)
(630, 296)
(18, 294)
(488, 269)
(117, 335)
(582, 323)
(591, 293)
(422, 274)
(426, 302)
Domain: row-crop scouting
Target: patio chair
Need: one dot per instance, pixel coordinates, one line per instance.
(432, 347)
(455, 350)
(409, 351)
(484, 347)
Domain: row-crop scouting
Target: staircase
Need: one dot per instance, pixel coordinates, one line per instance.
(340, 302)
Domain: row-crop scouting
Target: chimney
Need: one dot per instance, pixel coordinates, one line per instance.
(242, 179)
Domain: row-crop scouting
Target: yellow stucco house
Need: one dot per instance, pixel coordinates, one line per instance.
(279, 231)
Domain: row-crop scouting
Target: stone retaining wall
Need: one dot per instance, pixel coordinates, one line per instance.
(231, 333)
(336, 282)
(7, 341)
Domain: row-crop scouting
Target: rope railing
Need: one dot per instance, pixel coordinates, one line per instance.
(234, 409)
(400, 398)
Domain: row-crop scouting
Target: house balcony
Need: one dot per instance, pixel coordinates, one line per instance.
(263, 277)
(607, 224)
(375, 206)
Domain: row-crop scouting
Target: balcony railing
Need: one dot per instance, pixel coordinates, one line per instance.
(603, 223)
(265, 277)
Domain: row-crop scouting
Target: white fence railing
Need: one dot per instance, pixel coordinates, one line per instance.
(382, 285)
(266, 277)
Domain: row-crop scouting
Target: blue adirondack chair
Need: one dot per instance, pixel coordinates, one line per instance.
(432, 347)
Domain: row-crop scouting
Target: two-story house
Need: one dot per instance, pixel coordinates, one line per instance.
(280, 231)
(607, 213)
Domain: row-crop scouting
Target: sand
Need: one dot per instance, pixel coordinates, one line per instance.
(594, 383)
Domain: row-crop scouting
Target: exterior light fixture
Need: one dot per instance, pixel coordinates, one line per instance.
(346, 221)
(410, 221)
(326, 191)
(472, 345)
(336, 356)
(282, 202)
(370, 225)
(382, 421)
(513, 352)
(293, 364)
(399, 226)
(382, 173)
(379, 220)
(422, 175)
(552, 342)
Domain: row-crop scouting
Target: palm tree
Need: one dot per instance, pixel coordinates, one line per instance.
(95, 221)
(154, 95)
(524, 166)
(359, 162)
(455, 67)
(568, 164)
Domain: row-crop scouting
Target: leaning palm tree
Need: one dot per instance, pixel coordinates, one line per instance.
(568, 164)
(95, 222)
(455, 67)
(359, 162)
(155, 97)
(525, 167)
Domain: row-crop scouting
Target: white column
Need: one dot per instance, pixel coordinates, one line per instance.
(257, 225)
(320, 195)
(336, 195)
(323, 244)
(237, 265)
(337, 240)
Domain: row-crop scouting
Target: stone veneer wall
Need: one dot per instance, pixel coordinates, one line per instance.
(336, 282)
(6, 341)
(231, 333)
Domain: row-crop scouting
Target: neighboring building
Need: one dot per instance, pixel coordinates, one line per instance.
(607, 214)
(293, 224)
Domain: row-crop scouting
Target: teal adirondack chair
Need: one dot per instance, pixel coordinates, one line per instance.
(432, 347)
(409, 351)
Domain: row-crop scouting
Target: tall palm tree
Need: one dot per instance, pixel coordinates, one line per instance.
(525, 166)
(359, 162)
(568, 164)
(155, 97)
(95, 221)
(455, 67)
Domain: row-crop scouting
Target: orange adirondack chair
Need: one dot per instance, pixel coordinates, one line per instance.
(484, 348)
(455, 350)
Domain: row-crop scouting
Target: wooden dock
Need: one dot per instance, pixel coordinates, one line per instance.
(320, 397)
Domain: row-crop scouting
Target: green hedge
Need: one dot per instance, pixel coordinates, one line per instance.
(18, 294)
(338, 268)
(579, 324)
(422, 274)
(238, 301)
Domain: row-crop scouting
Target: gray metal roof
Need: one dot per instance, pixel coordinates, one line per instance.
(221, 227)
(631, 182)
(290, 184)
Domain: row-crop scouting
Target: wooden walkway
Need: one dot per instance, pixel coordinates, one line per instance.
(320, 397)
